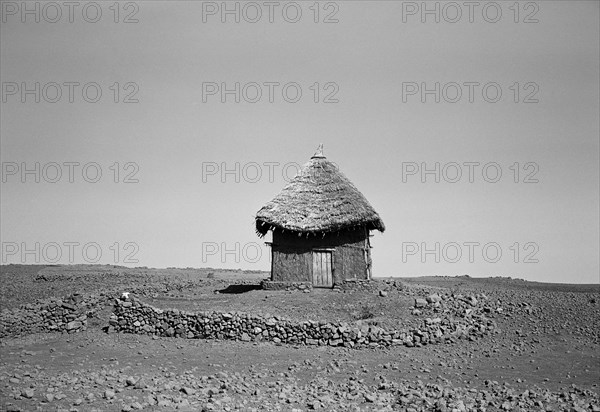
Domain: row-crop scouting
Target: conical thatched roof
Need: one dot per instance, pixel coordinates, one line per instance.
(318, 199)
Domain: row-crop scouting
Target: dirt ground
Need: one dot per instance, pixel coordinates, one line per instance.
(546, 356)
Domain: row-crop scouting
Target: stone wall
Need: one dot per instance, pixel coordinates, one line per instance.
(350, 285)
(70, 314)
(436, 319)
(134, 316)
(52, 315)
(275, 285)
(347, 285)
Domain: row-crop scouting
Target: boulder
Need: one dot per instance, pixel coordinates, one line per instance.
(74, 325)
(420, 303)
(433, 298)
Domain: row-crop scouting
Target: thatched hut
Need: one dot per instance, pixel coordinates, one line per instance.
(320, 224)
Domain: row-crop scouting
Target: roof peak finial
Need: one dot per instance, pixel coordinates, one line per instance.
(319, 152)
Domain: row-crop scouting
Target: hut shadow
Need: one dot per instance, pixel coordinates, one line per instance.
(237, 289)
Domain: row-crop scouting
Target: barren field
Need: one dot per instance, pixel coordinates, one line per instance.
(542, 356)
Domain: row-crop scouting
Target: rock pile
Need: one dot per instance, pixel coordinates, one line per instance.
(133, 316)
(493, 396)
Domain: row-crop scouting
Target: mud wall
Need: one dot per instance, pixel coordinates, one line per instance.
(292, 255)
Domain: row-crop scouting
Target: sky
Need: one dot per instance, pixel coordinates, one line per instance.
(156, 130)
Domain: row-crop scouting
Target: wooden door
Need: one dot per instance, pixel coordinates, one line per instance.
(322, 269)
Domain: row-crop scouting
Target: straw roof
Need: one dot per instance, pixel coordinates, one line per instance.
(319, 199)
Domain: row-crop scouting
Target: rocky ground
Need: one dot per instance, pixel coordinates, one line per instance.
(544, 356)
